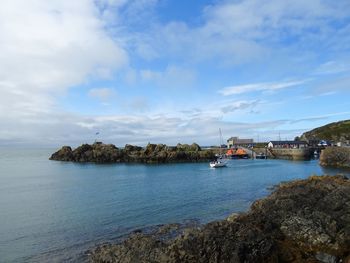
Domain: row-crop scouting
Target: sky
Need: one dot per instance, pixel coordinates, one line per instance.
(169, 71)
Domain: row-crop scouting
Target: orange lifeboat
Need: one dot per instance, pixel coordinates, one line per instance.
(230, 152)
(240, 152)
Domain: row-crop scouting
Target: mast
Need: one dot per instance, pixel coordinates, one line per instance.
(221, 141)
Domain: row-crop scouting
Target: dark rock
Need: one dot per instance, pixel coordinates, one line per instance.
(296, 223)
(336, 157)
(132, 148)
(64, 154)
(326, 258)
(153, 153)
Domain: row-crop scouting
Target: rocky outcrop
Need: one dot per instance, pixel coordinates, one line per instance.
(336, 157)
(301, 221)
(152, 153)
(97, 152)
(336, 132)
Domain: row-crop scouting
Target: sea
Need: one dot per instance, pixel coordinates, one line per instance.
(53, 211)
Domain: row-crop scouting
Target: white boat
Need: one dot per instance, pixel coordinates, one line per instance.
(217, 164)
(260, 156)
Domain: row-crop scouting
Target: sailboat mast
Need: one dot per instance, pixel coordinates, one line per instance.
(221, 140)
(220, 137)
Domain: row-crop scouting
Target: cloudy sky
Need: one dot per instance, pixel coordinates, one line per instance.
(169, 71)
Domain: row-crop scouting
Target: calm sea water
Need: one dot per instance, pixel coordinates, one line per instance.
(54, 211)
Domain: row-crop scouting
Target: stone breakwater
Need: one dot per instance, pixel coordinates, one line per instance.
(336, 157)
(301, 221)
(290, 154)
(152, 153)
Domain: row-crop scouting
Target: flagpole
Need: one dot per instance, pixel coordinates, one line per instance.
(97, 133)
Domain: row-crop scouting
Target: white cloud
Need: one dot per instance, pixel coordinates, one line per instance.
(239, 105)
(58, 129)
(236, 32)
(332, 67)
(265, 86)
(48, 47)
(103, 94)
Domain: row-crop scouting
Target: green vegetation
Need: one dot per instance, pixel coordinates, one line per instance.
(336, 131)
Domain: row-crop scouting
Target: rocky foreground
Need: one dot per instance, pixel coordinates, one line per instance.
(335, 157)
(301, 221)
(152, 153)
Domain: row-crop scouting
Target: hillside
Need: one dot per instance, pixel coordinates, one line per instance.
(336, 131)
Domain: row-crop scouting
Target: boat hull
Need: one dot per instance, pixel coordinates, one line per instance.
(217, 164)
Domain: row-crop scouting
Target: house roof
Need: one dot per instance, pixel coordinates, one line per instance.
(288, 142)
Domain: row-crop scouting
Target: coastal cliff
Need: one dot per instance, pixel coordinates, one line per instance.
(301, 221)
(336, 132)
(336, 157)
(152, 153)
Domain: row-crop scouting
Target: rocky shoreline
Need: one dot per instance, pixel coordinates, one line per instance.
(152, 153)
(335, 157)
(301, 221)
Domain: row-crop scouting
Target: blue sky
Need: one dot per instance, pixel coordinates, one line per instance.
(166, 71)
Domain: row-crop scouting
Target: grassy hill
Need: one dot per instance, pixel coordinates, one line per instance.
(336, 131)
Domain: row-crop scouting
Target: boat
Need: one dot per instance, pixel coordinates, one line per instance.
(260, 156)
(217, 164)
(237, 153)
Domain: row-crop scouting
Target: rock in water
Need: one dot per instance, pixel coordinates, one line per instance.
(152, 153)
(97, 152)
(64, 154)
(336, 157)
(301, 221)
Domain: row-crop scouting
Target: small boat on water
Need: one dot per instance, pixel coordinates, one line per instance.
(260, 156)
(237, 153)
(217, 164)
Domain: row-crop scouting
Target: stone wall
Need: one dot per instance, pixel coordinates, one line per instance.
(291, 154)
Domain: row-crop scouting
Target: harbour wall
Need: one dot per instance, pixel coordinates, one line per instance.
(286, 153)
(290, 153)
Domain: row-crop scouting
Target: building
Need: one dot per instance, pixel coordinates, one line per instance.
(235, 141)
(287, 144)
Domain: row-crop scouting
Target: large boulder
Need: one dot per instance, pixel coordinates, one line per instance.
(335, 156)
(83, 153)
(63, 154)
(132, 148)
(150, 148)
(106, 153)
